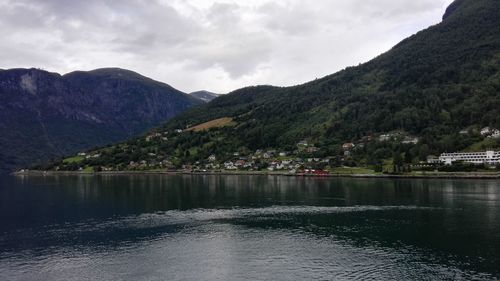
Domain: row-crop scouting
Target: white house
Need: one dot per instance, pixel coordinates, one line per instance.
(495, 134)
(464, 132)
(303, 143)
(230, 166)
(212, 158)
(487, 157)
(385, 137)
(485, 131)
(410, 140)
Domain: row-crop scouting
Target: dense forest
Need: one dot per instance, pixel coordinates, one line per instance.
(436, 89)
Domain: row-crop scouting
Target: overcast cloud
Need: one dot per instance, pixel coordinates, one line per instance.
(217, 45)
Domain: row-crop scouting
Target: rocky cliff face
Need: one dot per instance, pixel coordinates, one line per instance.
(45, 115)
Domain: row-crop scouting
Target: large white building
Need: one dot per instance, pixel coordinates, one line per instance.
(487, 157)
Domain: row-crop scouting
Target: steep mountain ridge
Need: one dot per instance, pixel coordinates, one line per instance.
(45, 115)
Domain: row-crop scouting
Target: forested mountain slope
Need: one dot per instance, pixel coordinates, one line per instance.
(432, 86)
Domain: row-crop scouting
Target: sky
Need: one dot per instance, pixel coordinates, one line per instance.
(214, 45)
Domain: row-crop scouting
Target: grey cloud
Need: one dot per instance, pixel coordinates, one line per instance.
(217, 45)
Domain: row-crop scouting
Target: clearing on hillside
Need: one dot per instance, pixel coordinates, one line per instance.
(216, 123)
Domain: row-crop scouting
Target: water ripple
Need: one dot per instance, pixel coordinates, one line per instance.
(278, 243)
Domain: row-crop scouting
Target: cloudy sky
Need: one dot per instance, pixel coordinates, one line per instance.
(217, 45)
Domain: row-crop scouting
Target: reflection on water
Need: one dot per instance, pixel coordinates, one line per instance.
(247, 227)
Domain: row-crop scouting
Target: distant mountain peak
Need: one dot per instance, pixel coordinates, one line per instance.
(205, 96)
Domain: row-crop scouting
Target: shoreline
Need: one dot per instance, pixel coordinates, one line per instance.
(455, 175)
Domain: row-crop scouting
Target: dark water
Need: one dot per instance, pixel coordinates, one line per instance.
(247, 228)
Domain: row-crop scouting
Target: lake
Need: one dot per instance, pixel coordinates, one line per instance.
(156, 227)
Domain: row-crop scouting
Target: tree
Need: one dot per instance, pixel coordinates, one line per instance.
(398, 162)
(408, 157)
(424, 152)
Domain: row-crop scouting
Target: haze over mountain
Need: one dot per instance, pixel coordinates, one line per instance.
(45, 115)
(206, 96)
(432, 85)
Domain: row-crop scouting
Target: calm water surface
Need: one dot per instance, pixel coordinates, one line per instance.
(247, 228)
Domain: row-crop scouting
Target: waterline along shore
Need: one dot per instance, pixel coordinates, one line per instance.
(456, 175)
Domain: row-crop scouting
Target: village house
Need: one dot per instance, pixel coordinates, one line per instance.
(385, 137)
(390, 136)
(153, 136)
(348, 146)
(187, 168)
(486, 131)
(303, 143)
(212, 158)
(495, 134)
(97, 155)
(229, 165)
(410, 140)
(240, 163)
(280, 166)
(432, 159)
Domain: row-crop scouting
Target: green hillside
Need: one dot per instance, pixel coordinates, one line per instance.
(421, 94)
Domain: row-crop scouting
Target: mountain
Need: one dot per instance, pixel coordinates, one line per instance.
(205, 96)
(425, 90)
(45, 115)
